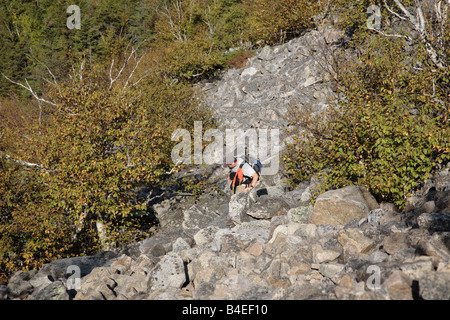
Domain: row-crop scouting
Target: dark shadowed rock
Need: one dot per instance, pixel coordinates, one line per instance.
(434, 221)
(19, 284)
(54, 291)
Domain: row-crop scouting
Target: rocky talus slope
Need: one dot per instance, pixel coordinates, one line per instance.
(269, 243)
(259, 95)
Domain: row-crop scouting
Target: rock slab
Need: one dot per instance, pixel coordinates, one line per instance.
(337, 207)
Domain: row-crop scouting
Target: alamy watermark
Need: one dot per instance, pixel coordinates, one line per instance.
(374, 281)
(374, 21)
(74, 280)
(263, 144)
(73, 21)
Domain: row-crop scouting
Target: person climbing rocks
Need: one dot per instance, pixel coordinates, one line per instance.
(242, 177)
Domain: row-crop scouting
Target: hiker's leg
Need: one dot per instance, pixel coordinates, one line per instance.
(238, 189)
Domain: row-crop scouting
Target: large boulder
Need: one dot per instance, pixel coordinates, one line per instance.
(435, 285)
(54, 291)
(168, 273)
(19, 284)
(239, 204)
(196, 218)
(267, 207)
(338, 207)
(434, 221)
(59, 269)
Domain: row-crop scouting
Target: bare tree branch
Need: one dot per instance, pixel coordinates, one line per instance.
(408, 14)
(132, 72)
(176, 164)
(35, 95)
(146, 74)
(28, 164)
(125, 63)
(175, 25)
(28, 88)
(48, 69)
(78, 75)
(393, 12)
(419, 24)
(393, 35)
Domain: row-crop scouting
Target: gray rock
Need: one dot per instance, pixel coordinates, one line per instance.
(168, 273)
(249, 72)
(257, 292)
(97, 285)
(295, 196)
(341, 206)
(395, 242)
(301, 290)
(300, 214)
(19, 284)
(59, 269)
(131, 286)
(307, 232)
(206, 237)
(252, 230)
(438, 245)
(156, 246)
(39, 281)
(216, 241)
(375, 216)
(230, 287)
(180, 244)
(204, 290)
(3, 292)
(196, 218)
(418, 267)
(54, 291)
(328, 231)
(354, 237)
(275, 78)
(238, 205)
(167, 296)
(398, 286)
(268, 243)
(321, 255)
(331, 270)
(442, 201)
(267, 208)
(377, 257)
(429, 206)
(434, 221)
(434, 285)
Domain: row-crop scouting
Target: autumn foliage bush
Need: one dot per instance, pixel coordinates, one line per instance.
(238, 59)
(279, 20)
(68, 178)
(387, 133)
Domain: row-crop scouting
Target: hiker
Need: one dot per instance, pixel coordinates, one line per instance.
(244, 179)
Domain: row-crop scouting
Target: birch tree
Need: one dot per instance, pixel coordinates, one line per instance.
(68, 182)
(431, 29)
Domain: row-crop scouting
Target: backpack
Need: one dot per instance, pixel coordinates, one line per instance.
(255, 164)
(238, 176)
